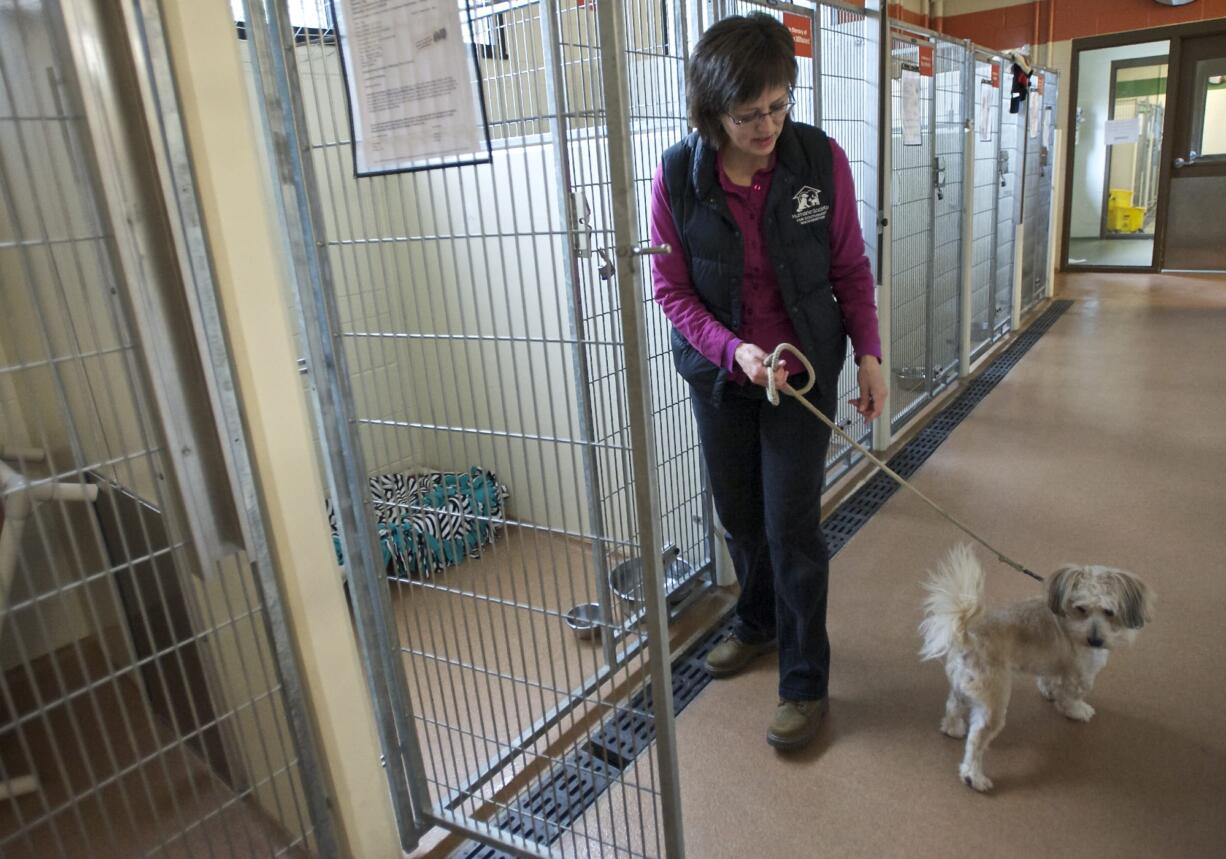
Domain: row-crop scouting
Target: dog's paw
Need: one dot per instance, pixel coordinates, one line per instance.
(1047, 689)
(955, 728)
(975, 779)
(1078, 711)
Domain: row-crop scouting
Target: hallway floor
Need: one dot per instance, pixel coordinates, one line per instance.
(1105, 444)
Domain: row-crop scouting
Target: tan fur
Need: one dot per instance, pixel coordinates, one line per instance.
(1062, 637)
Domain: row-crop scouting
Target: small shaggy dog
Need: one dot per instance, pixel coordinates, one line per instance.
(1062, 637)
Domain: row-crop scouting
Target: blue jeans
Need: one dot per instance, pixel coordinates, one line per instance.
(766, 467)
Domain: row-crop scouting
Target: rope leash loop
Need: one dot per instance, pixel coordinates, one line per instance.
(772, 395)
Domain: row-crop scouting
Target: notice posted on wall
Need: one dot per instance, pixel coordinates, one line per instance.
(912, 134)
(409, 76)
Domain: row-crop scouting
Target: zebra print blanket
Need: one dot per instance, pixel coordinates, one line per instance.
(430, 521)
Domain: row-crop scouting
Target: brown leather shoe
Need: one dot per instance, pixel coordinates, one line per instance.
(732, 655)
(795, 723)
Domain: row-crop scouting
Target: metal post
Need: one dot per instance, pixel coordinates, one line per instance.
(278, 82)
(999, 176)
(966, 305)
(1019, 236)
(930, 288)
(1054, 161)
(816, 45)
(882, 430)
(555, 93)
(612, 24)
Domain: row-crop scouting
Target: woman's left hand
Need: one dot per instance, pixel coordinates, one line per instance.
(871, 401)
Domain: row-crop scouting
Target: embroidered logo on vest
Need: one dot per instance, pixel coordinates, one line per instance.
(809, 206)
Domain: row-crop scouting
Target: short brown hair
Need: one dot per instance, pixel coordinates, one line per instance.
(735, 61)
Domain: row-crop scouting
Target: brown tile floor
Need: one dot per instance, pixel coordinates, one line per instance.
(115, 787)
(1105, 444)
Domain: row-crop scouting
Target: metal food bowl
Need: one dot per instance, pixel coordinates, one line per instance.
(626, 580)
(584, 620)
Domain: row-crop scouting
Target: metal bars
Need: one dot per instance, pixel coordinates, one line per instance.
(502, 415)
(142, 706)
(836, 90)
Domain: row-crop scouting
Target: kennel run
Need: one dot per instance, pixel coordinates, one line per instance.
(515, 490)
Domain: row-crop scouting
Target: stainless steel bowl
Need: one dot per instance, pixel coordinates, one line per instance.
(911, 378)
(626, 580)
(584, 620)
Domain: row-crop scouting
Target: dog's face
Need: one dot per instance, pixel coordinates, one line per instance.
(1099, 606)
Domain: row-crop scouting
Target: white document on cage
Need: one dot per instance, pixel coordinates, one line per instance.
(911, 132)
(1116, 131)
(987, 97)
(408, 74)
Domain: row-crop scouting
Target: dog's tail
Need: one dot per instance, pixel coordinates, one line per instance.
(954, 601)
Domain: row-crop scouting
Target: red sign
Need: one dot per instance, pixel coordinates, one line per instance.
(801, 28)
(1039, 78)
(925, 60)
(995, 76)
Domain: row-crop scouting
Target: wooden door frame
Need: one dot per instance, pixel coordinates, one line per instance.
(1175, 33)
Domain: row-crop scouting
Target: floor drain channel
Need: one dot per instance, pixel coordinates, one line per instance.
(544, 811)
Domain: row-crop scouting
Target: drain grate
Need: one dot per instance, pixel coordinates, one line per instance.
(572, 786)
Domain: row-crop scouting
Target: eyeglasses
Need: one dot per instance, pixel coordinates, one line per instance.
(776, 113)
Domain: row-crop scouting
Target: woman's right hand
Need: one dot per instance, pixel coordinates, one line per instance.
(750, 359)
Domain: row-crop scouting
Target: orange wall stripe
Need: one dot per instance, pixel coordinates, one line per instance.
(1011, 26)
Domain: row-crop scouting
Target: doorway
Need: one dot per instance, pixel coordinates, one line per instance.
(1148, 155)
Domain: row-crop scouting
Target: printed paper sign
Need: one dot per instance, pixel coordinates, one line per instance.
(983, 116)
(1036, 107)
(995, 75)
(925, 60)
(408, 75)
(1040, 79)
(911, 133)
(801, 28)
(1118, 131)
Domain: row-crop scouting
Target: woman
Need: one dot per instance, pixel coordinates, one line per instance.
(760, 212)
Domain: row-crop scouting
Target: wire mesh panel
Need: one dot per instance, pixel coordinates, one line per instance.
(141, 710)
(1033, 205)
(986, 123)
(949, 81)
(912, 192)
(1008, 210)
(1045, 142)
(842, 59)
(848, 61)
(487, 364)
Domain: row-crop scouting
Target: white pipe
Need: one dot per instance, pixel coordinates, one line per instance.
(23, 454)
(18, 786)
(19, 496)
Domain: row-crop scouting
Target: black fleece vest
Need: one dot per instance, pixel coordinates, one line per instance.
(795, 228)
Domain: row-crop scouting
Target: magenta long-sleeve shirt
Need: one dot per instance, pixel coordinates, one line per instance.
(765, 322)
